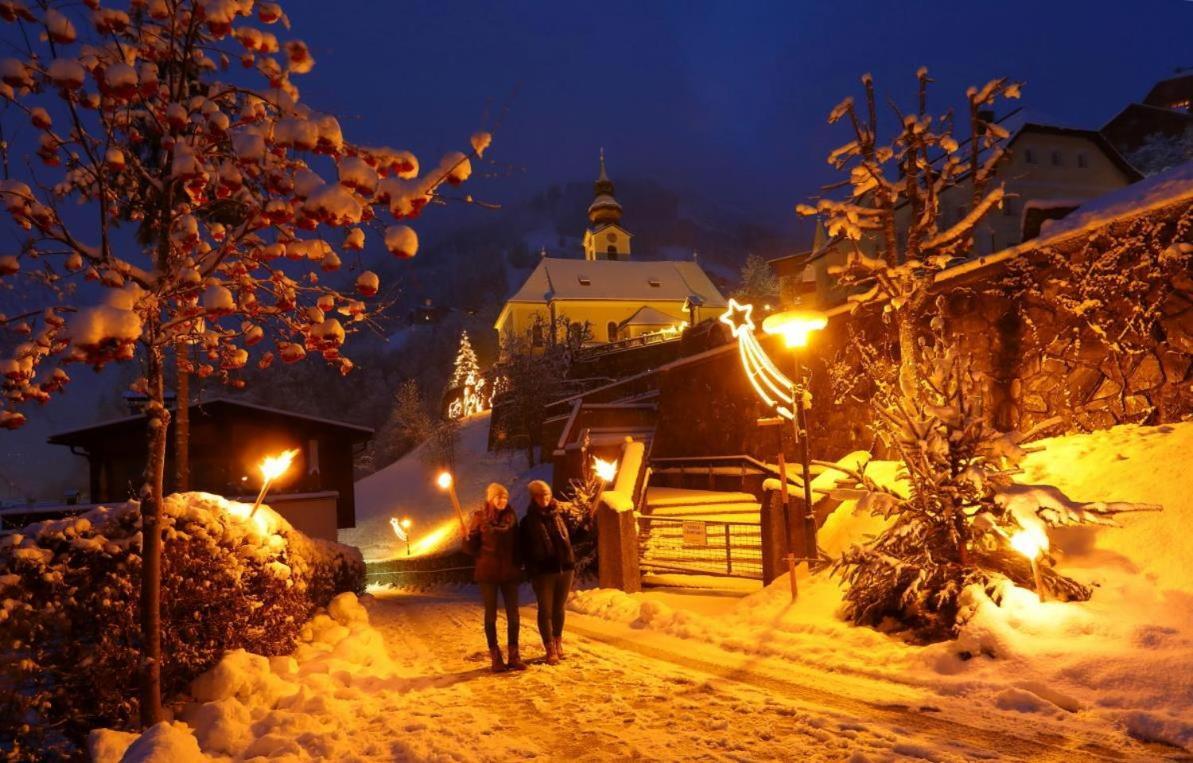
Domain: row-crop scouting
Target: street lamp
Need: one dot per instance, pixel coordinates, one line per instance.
(796, 326)
(406, 527)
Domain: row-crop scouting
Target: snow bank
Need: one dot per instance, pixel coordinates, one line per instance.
(339, 695)
(406, 488)
(1121, 660)
(69, 589)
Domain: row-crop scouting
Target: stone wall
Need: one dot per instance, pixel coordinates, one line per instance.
(1029, 338)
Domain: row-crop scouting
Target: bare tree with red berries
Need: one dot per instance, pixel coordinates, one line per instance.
(210, 211)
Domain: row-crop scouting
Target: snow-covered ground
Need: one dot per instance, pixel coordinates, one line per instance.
(678, 675)
(408, 680)
(1122, 661)
(406, 488)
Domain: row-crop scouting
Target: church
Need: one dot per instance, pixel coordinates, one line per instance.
(617, 297)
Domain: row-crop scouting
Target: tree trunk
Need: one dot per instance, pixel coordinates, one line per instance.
(909, 353)
(182, 423)
(151, 538)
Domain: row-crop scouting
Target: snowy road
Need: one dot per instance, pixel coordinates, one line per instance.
(618, 696)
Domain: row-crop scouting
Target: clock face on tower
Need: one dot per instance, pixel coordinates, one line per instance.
(611, 236)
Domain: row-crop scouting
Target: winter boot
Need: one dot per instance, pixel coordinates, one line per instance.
(515, 661)
(498, 662)
(559, 648)
(552, 655)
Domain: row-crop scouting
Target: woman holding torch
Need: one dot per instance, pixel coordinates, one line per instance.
(550, 561)
(492, 537)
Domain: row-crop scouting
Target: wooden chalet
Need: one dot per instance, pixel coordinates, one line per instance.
(228, 439)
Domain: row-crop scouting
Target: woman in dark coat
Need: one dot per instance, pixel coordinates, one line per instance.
(546, 547)
(492, 538)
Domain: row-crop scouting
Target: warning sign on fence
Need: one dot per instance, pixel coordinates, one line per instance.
(695, 533)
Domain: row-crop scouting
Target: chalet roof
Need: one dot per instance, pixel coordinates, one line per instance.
(634, 281)
(1169, 91)
(648, 316)
(73, 436)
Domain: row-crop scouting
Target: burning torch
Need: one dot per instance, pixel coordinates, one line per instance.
(445, 482)
(1032, 542)
(272, 468)
(606, 472)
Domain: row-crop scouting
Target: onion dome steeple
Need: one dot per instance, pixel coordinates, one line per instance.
(604, 209)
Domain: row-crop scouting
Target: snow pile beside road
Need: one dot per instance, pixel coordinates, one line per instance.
(1121, 660)
(406, 488)
(337, 696)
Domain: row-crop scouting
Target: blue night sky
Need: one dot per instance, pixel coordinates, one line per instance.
(725, 101)
(728, 99)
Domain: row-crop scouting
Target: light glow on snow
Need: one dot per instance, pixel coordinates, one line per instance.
(434, 540)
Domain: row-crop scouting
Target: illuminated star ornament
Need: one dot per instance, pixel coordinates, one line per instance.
(768, 381)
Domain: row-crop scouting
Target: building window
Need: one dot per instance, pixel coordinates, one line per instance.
(1057, 159)
(656, 283)
(1008, 207)
(536, 335)
(1082, 161)
(1029, 156)
(612, 329)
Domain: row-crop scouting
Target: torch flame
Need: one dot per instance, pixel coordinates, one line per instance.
(444, 480)
(275, 466)
(606, 470)
(1030, 541)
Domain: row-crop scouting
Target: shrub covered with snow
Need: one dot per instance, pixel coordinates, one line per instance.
(69, 592)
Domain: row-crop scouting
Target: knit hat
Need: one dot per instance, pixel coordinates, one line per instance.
(493, 490)
(538, 487)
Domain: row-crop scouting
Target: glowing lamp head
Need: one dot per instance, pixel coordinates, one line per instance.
(606, 470)
(444, 480)
(275, 466)
(406, 523)
(795, 326)
(1030, 541)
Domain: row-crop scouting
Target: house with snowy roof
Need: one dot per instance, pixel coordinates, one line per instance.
(617, 297)
(1048, 171)
(228, 440)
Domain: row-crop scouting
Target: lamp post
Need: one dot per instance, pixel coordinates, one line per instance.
(796, 326)
(272, 468)
(406, 527)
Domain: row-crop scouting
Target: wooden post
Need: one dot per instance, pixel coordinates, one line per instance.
(791, 574)
(728, 551)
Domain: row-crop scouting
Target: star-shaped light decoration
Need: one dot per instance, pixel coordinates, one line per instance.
(738, 318)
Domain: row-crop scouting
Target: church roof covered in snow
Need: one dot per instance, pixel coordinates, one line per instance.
(638, 281)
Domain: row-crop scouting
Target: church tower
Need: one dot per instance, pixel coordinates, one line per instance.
(605, 239)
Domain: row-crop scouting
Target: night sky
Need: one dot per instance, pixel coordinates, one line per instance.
(723, 101)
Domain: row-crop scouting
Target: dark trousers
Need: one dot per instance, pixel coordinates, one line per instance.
(551, 590)
(509, 596)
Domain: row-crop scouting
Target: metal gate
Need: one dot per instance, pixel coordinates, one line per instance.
(700, 547)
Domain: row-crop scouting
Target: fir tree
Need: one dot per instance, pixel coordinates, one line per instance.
(467, 370)
(955, 520)
(758, 283)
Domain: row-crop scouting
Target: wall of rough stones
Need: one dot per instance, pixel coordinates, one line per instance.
(1038, 357)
